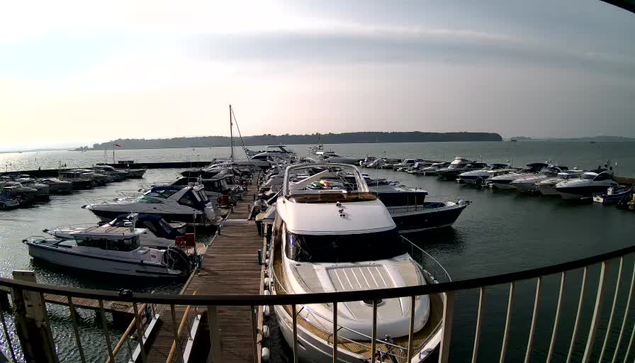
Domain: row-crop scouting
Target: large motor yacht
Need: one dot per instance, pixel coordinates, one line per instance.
(457, 166)
(504, 181)
(331, 235)
(528, 184)
(592, 182)
(174, 203)
(479, 177)
(548, 186)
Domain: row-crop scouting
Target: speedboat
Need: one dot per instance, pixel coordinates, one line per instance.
(14, 189)
(43, 190)
(174, 203)
(591, 182)
(114, 250)
(613, 195)
(333, 157)
(158, 232)
(405, 164)
(79, 179)
(504, 181)
(8, 202)
(528, 184)
(419, 165)
(117, 175)
(433, 169)
(333, 236)
(457, 166)
(479, 177)
(410, 211)
(548, 186)
(57, 186)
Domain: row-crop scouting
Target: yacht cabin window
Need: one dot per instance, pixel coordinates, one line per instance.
(344, 248)
(127, 244)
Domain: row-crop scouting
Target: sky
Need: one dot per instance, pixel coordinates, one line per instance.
(74, 73)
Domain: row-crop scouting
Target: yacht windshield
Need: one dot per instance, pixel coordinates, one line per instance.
(345, 248)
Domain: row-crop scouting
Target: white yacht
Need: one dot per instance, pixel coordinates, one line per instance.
(331, 235)
(79, 179)
(114, 250)
(479, 177)
(117, 175)
(528, 184)
(548, 186)
(43, 190)
(504, 181)
(174, 203)
(57, 186)
(591, 182)
(432, 169)
(158, 232)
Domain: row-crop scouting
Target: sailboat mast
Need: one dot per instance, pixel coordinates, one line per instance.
(231, 134)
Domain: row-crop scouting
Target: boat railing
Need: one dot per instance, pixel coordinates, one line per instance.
(606, 338)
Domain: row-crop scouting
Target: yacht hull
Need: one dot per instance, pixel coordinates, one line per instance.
(109, 215)
(432, 216)
(581, 192)
(100, 264)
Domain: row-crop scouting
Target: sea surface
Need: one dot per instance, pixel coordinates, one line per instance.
(499, 232)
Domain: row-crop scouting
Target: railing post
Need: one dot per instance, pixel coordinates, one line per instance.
(411, 327)
(534, 319)
(615, 297)
(335, 332)
(479, 323)
(556, 319)
(31, 323)
(373, 343)
(597, 312)
(508, 318)
(294, 322)
(214, 355)
(578, 314)
(626, 311)
(448, 313)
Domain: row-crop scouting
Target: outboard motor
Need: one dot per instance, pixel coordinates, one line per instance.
(178, 260)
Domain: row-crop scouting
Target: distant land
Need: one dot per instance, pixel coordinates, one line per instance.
(586, 138)
(267, 139)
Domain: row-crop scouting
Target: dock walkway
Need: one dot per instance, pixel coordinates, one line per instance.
(230, 266)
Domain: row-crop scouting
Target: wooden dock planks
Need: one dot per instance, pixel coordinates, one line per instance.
(230, 266)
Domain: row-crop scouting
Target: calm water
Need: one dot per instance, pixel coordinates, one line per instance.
(499, 232)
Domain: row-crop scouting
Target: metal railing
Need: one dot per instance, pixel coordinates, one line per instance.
(207, 304)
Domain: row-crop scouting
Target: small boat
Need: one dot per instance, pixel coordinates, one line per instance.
(418, 166)
(591, 182)
(174, 203)
(548, 186)
(43, 190)
(8, 202)
(116, 174)
(158, 232)
(411, 213)
(613, 195)
(14, 189)
(57, 186)
(333, 236)
(479, 177)
(114, 250)
(504, 181)
(405, 164)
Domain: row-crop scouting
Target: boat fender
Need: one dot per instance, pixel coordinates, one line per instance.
(266, 310)
(267, 292)
(125, 293)
(265, 331)
(265, 354)
(84, 206)
(267, 282)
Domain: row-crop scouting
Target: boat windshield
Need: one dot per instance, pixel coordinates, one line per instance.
(589, 176)
(126, 244)
(344, 248)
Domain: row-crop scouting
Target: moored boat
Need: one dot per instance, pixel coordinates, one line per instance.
(591, 182)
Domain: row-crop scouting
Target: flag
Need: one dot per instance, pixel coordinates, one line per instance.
(117, 145)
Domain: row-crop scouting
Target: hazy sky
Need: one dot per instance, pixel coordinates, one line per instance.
(79, 72)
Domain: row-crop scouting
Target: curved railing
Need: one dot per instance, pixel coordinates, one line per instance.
(448, 289)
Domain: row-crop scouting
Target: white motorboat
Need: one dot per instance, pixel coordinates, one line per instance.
(458, 166)
(113, 250)
(174, 203)
(117, 175)
(504, 181)
(548, 186)
(591, 182)
(43, 190)
(331, 235)
(528, 184)
(479, 177)
(16, 190)
(158, 232)
(405, 164)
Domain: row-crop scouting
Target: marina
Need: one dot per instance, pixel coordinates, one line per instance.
(230, 266)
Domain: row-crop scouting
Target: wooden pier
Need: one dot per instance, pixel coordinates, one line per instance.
(230, 266)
